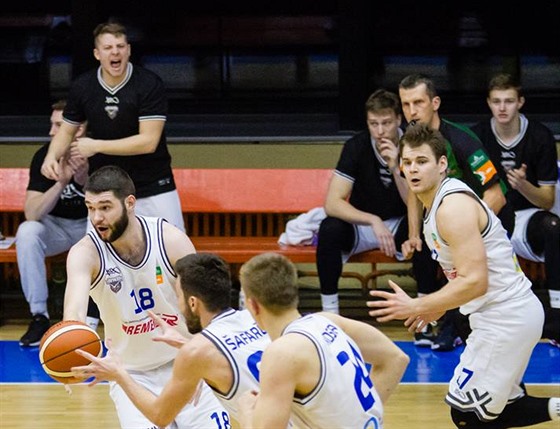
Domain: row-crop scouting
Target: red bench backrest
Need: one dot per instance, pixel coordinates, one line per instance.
(13, 185)
(215, 190)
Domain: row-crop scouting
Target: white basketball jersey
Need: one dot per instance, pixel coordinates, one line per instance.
(237, 336)
(124, 293)
(505, 277)
(344, 396)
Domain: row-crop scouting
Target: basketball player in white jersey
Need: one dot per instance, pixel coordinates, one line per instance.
(484, 281)
(127, 266)
(225, 354)
(316, 369)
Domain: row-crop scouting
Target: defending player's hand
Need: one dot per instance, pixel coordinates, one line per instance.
(390, 306)
(417, 323)
(108, 368)
(169, 334)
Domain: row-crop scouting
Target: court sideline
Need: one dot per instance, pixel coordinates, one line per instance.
(29, 398)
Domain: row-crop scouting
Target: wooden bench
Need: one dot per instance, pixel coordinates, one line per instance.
(235, 213)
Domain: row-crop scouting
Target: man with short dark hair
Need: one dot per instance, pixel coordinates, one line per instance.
(126, 263)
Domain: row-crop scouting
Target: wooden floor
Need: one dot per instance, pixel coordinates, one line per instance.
(49, 406)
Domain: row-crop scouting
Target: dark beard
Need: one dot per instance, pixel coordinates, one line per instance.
(193, 322)
(117, 230)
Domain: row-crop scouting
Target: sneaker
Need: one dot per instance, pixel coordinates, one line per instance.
(38, 326)
(426, 337)
(446, 339)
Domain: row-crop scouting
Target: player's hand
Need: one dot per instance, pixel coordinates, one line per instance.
(80, 167)
(384, 237)
(413, 244)
(49, 169)
(517, 176)
(169, 334)
(416, 324)
(86, 146)
(108, 368)
(390, 306)
(389, 151)
(65, 170)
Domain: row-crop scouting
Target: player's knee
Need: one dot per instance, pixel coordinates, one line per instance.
(333, 232)
(29, 230)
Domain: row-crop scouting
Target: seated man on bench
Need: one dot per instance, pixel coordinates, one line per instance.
(56, 219)
(366, 199)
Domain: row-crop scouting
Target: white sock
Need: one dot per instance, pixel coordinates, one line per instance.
(554, 408)
(330, 303)
(92, 322)
(554, 298)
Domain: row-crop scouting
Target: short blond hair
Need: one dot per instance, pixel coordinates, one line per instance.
(272, 280)
(114, 28)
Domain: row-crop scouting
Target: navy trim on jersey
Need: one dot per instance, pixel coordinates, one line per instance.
(229, 356)
(471, 194)
(161, 245)
(96, 242)
(323, 369)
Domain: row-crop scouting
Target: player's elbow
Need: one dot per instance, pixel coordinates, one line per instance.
(395, 361)
(478, 286)
(151, 147)
(400, 362)
(161, 420)
(548, 203)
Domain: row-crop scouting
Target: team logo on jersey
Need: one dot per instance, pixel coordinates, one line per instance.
(159, 276)
(435, 241)
(114, 278)
(482, 166)
(112, 111)
(70, 192)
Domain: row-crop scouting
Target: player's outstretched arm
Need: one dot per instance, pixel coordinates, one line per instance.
(82, 266)
(159, 409)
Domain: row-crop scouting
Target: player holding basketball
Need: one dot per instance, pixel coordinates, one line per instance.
(316, 368)
(225, 354)
(127, 266)
(485, 281)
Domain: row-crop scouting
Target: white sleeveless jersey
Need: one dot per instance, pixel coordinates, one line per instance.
(505, 277)
(237, 336)
(344, 396)
(124, 293)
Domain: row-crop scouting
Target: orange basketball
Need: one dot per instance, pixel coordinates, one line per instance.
(56, 350)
